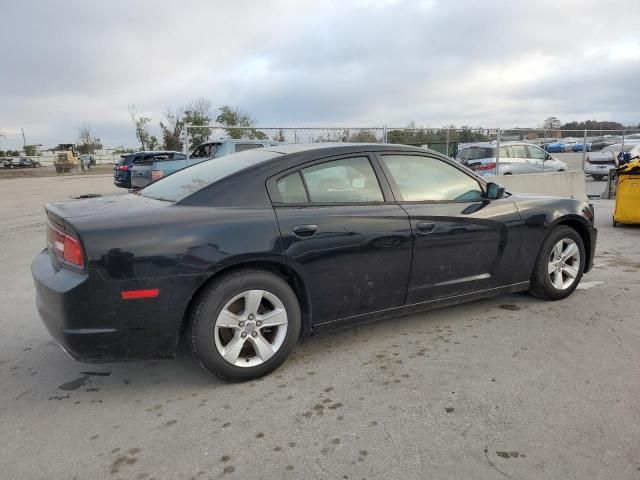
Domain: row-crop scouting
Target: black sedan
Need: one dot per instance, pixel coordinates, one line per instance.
(246, 253)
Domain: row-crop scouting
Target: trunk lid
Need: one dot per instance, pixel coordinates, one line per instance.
(102, 206)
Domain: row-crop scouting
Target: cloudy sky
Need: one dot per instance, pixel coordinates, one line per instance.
(315, 63)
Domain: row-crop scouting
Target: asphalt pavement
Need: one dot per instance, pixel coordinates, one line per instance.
(509, 387)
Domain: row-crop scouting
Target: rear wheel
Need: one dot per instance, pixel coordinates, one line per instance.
(244, 325)
(559, 266)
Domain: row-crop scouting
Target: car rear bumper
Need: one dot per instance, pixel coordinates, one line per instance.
(85, 315)
(595, 169)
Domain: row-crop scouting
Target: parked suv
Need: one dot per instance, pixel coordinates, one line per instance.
(515, 158)
(122, 169)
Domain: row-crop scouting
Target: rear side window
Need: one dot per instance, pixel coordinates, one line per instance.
(519, 151)
(505, 152)
(350, 180)
(292, 189)
(241, 147)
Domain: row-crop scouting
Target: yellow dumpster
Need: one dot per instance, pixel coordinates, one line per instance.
(628, 194)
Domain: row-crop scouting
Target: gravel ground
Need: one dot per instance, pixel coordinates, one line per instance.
(509, 387)
(50, 171)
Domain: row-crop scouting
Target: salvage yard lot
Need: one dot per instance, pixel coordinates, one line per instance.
(510, 387)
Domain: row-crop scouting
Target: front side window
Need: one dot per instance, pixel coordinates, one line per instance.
(421, 179)
(349, 180)
(537, 153)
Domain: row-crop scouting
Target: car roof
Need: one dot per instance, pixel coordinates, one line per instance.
(240, 140)
(336, 148)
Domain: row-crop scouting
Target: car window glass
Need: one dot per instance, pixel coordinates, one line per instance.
(537, 153)
(187, 181)
(350, 180)
(505, 152)
(292, 189)
(428, 179)
(519, 151)
(240, 147)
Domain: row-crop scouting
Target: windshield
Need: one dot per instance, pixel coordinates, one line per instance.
(187, 181)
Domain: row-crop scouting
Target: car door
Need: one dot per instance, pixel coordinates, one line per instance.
(462, 241)
(344, 234)
(521, 161)
(538, 158)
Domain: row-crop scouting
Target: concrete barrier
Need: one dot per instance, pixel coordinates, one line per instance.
(553, 184)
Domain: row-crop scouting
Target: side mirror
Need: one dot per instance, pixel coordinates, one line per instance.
(494, 191)
(548, 157)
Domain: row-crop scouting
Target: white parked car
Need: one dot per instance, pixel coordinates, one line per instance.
(515, 158)
(598, 164)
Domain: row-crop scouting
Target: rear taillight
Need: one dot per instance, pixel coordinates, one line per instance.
(157, 174)
(487, 166)
(65, 247)
(123, 167)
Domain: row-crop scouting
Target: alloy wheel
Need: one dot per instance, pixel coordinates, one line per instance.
(251, 328)
(564, 264)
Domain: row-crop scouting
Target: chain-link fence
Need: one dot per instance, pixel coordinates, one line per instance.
(595, 152)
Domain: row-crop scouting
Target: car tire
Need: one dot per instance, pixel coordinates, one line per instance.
(597, 178)
(246, 350)
(564, 280)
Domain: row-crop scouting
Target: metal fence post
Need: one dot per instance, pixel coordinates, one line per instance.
(384, 134)
(185, 144)
(447, 142)
(498, 152)
(622, 151)
(584, 148)
(295, 135)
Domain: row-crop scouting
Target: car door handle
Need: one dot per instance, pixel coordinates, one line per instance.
(304, 230)
(425, 228)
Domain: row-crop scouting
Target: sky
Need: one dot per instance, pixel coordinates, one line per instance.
(360, 63)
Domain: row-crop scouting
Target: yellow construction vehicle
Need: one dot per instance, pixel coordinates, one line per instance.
(66, 158)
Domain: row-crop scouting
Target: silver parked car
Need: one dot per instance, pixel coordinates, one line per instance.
(515, 158)
(598, 164)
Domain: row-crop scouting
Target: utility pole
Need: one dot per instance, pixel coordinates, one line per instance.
(24, 140)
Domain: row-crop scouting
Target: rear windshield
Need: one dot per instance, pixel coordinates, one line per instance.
(185, 182)
(475, 153)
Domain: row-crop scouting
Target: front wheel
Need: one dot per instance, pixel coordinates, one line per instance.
(244, 325)
(559, 266)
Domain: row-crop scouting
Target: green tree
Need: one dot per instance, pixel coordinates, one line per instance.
(172, 128)
(142, 124)
(30, 150)
(242, 123)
